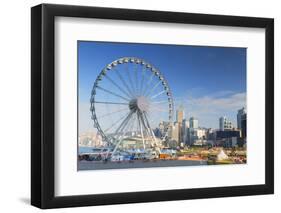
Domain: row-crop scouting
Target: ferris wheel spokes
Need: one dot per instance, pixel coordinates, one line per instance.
(156, 95)
(111, 113)
(115, 123)
(142, 79)
(129, 97)
(112, 93)
(130, 80)
(116, 85)
(136, 80)
(124, 123)
(148, 83)
(124, 82)
(105, 102)
(152, 90)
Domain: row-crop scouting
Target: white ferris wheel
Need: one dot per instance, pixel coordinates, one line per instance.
(129, 99)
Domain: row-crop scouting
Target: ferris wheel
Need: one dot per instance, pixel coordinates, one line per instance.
(129, 99)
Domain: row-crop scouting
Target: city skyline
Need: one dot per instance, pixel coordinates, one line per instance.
(206, 90)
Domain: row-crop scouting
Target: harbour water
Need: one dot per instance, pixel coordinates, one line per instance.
(99, 165)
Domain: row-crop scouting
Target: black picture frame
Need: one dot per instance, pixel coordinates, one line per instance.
(43, 102)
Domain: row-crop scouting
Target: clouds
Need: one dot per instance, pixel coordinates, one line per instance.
(206, 108)
(209, 108)
(215, 103)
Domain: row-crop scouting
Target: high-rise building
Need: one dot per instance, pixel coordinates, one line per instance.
(185, 131)
(175, 132)
(210, 134)
(225, 124)
(242, 121)
(193, 133)
(240, 113)
(180, 117)
(244, 125)
(193, 123)
(180, 114)
(197, 135)
(165, 128)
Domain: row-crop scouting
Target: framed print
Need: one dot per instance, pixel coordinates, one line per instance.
(140, 106)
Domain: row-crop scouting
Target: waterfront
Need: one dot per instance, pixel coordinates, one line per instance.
(142, 115)
(97, 165)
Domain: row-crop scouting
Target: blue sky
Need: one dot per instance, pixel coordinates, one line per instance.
(208, 81)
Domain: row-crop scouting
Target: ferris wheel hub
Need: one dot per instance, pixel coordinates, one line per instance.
(140, 103)
(143, 103)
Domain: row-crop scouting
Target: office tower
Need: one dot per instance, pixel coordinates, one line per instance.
(175, 132)
(225, 124)
(193, 123)
(185, 131)
(180, 116)
(244, 125)
(197, 136)
(240, 113)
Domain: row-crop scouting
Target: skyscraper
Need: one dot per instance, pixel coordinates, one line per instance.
(225, 124)
(193, 123)
(180, 114)
(242, 121)
(180, 117)
(175, 132)
(185, 131)
(193, 127)
(244, 125)
(240, 114)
